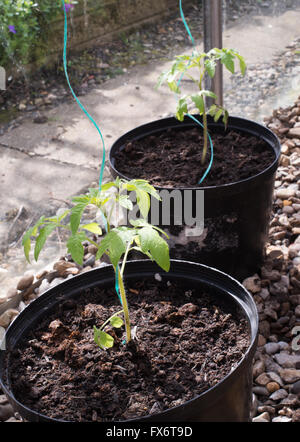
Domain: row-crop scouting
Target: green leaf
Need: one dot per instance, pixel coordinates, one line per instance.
(108, 186)
(81, 199)
(199, 103)
(210, 66)
(225, 117)
(152, 242)
(143, 202)
(75, 247)
(113, 245)
(27, 246)
(228, 60)
(93, 228)
(125, 202)
(116, 322)
(102, 339)
(41, 239)
(242, 63)
(33, 231)
(181, 109)
(140, 222)
(218, 114)
(208, 93)
(76, 214)
(141, 185)
(173, 86)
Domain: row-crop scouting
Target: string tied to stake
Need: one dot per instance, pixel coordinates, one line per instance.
(192, 117)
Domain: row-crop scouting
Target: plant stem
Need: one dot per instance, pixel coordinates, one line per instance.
(125, 259)
(112, 316)
(204, 120)
(204, 152)
(124, 305)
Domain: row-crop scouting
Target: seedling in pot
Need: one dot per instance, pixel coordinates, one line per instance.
(205, 64)
(117, 242)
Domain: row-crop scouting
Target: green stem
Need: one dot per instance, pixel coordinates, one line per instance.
(112, 316)
(125, 305)
(125, 259)
(204, 152)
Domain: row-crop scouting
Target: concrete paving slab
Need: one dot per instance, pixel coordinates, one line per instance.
(32, 181)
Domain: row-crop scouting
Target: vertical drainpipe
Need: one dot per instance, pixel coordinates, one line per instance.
(213, 24)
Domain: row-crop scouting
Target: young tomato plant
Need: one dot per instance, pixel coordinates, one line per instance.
(116, 242)
(204, 64)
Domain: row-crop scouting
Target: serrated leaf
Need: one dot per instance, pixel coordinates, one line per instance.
(173, 86)
(228, 60)
(102, 339)
(152, 242)
(218, 114)
(210, 66)
(143, 202)
(208, 93)
(26, 240)
(114, 245)
(41, 239)
(125, 202)
(140, 222)
(199, 103)
(75, 247)
(242, 63)
(81, 199)
(108, 186)
(116, 321)
(144, 185)
(27, 247)
(76, 213)
(182, 109)
(93, 228)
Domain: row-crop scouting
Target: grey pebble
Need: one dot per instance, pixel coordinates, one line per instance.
(279, 395)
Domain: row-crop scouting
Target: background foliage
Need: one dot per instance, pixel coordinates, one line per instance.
(23, 29)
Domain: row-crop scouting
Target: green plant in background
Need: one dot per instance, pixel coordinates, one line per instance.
(24, 26)
(117, 242)
(204, 64)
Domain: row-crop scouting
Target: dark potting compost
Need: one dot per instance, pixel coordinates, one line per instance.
(172, 158)
(187, 339)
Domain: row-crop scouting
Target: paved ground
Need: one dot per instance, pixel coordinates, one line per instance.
(61, 157)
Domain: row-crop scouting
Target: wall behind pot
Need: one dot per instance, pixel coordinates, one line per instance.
(94, 22)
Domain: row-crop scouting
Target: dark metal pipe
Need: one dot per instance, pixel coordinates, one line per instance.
(213, 24)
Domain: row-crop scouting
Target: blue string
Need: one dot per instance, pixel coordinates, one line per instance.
(90, 118)
(75, 97)
(189, 115)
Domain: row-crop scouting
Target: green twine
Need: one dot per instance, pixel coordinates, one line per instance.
(89, 117)
(189, 115)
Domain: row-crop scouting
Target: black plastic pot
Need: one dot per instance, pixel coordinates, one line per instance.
(236, 215)
(229, 400)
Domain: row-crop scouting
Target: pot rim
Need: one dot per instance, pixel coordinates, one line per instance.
(250, 311)
(231, 124)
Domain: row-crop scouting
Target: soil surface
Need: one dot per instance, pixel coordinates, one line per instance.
(173, 158)
(187, 340)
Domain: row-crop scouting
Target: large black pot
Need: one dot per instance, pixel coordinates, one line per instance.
(236, 215)
(229, 400)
